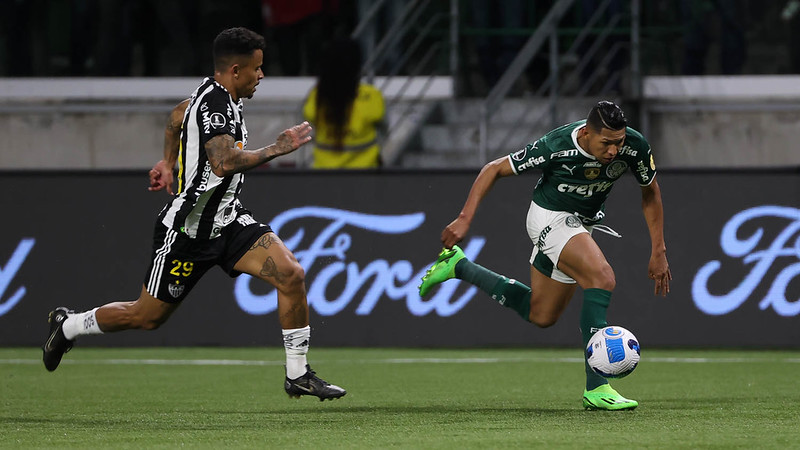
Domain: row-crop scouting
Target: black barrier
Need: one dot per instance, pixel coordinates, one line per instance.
(84, 239)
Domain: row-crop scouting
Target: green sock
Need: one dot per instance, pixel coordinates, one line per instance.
(593, 317)
(509, 293)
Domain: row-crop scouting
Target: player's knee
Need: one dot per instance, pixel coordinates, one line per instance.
(147, 321)
(542, 319)
(294, 278)
(144, 319)
(603, 278)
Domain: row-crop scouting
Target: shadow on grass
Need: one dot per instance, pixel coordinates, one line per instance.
(222, 419)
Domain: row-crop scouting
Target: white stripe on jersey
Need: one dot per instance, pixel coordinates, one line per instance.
(158, 263)
(192, 154)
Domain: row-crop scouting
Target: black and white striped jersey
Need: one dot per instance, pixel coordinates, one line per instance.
(205, 203)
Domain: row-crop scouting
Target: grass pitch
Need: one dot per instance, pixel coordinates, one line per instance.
(403, 398)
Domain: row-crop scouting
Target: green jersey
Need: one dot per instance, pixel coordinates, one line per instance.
(572, 179)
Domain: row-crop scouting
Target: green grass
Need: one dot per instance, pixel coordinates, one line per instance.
(404, 398)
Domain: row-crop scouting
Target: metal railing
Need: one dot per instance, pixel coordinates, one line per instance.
(580, 74)
(417, 24)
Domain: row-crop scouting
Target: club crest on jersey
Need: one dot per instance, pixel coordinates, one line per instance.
(573, 222)
(591, 173)
(616, 169)
(176, 289)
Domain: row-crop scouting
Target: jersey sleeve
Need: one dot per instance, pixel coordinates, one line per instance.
(532, 156)
(645, 166)
(216, 116)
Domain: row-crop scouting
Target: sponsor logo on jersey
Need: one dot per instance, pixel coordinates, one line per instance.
(542, 237)
(586, 190)
(616, 169)
(533, 161)
(231, 119)
(641, 169)
(569, 169)
(246, 220)
(591, 173)
(652, 163)
(204, 178)
(564, 153)
(573, 222)
(592, 164)
(627, 150)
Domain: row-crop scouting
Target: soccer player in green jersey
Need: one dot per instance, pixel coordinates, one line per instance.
(580, 162)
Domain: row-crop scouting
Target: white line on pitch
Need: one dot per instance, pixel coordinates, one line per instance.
(240, 362)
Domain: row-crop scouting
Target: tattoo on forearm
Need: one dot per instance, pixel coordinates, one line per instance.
(226, 158)
(264, 241)
(270, 270)
(218, 150)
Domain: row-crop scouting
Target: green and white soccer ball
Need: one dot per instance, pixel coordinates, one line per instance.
(613, 352)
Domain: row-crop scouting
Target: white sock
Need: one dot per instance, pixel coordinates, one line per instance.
(296, 341)
(81, 324)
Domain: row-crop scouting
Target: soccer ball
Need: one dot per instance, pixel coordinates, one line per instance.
(613, 352)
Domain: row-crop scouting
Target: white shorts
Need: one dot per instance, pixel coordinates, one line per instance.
(549, 231)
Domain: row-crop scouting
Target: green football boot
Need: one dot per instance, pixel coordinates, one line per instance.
(442, 270)
(606, 398)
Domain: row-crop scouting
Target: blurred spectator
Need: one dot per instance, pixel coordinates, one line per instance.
(698, 15)
(298, 28)
(345, 112)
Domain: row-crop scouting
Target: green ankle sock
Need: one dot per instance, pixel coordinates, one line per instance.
(593, 318)
(509, 293)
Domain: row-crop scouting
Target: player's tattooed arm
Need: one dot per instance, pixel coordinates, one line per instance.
(172, 132)
(161, 174)
(226, 159)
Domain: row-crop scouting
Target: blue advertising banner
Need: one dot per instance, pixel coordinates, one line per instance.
(364, 239)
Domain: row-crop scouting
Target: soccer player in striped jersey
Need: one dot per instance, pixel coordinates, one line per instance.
(580, 162)
(205, 224)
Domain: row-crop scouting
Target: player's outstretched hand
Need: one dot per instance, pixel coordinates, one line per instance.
(660, 273)
(291, 139)
(161, 177)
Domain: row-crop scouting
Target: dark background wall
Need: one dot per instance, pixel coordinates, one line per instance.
(83, 239)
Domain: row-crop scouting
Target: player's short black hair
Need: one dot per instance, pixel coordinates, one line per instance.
(234, 42)
(606, 114)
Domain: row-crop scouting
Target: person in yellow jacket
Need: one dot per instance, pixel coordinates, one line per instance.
(346, 113)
